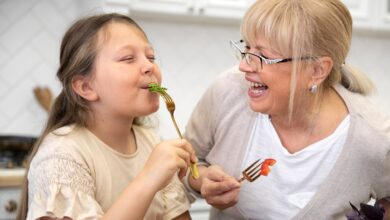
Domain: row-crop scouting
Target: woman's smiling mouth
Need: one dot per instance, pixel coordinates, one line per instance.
(256, 89)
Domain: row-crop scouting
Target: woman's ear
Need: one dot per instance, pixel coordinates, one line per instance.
(82, 85)
(322, 69)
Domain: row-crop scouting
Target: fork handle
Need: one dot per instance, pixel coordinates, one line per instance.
(176, 127)
(193, 168)
(242, 179)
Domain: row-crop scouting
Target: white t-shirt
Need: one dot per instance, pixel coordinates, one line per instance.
(77, 175)
(294, 179)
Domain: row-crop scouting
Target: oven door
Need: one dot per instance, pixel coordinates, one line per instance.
(14, 150)
(9, 202)
(13, 154)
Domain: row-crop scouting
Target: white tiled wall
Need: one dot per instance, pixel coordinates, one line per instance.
(30, 32)
(191, 55)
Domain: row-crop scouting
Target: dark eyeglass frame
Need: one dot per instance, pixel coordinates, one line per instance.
(246, 56)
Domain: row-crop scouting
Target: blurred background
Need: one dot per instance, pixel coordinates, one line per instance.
(191, 39)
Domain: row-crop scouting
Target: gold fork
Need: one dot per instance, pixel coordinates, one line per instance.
(257, 169)
(171, 108)
(252, 172)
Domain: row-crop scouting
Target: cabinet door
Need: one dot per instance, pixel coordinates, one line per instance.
(384, 11)
(200, 210)
(358, 8)
(224, 8)
(163, 6)
(388, 7)
(9, 199)
(119, 6)
(362, 12)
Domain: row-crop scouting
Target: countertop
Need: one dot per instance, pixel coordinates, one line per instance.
(11, 177)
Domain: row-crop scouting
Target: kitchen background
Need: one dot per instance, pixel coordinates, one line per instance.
(190, 37)
(191, 51)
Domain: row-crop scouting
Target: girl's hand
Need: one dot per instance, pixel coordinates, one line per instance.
(166, 160)
(219, 189)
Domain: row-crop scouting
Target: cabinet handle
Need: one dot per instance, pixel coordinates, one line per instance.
(11, 206)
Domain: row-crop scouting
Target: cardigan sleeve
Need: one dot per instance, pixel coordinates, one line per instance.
(223, 95)
(382, 185)
(199, 131)
(201, 127)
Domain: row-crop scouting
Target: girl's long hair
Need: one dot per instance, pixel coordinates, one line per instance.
(78, 51)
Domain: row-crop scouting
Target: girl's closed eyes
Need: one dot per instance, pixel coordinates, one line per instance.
(129, 58)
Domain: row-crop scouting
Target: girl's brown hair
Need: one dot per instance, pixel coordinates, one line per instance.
(78, 51)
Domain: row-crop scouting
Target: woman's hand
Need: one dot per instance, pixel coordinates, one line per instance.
(219, 189)
(166, 159)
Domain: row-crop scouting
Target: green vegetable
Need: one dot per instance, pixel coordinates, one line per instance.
(154, 87)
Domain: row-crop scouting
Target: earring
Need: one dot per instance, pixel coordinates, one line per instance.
(313, 89)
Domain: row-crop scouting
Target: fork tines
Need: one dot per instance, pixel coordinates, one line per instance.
(165, 96)
(252, 172)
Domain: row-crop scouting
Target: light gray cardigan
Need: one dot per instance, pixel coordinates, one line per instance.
(221, 124)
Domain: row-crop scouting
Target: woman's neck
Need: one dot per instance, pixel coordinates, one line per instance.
(306, 127)
(301, 118)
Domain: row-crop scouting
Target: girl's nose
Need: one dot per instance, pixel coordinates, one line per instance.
(147, 66)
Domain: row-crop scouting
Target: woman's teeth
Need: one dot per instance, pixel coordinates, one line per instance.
(254, 84)
(257, 85)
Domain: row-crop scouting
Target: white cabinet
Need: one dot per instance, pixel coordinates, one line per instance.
(119, 6)
(362, 12)
(224, 8)
(9, 198)
(233, 9)
(200, 210)
(163, 6)
(208, 8)
(384, 20)
(367, 14)
(370, 15)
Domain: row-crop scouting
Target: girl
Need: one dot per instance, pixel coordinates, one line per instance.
(95, 159)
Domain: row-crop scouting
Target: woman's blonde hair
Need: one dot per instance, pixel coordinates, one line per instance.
(302, 28)
(78, 51)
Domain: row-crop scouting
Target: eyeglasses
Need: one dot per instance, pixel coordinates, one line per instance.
(252, 61)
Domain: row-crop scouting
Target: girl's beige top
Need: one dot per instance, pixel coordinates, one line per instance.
(75, 174)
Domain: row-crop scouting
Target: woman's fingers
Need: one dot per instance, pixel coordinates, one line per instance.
(225, 200)
(219, 186)
(219, 189)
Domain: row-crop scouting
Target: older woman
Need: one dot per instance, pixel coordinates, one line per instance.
(293, 99)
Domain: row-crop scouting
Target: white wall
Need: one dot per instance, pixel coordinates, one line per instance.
(191, 55)
(371, 54)
(30, 34)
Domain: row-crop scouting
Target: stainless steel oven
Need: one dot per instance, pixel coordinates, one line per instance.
(13, 155)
